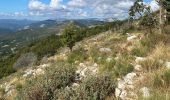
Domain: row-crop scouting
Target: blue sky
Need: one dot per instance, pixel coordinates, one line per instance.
(45, 9)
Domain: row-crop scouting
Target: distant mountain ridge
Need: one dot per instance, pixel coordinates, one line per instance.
(14, 24)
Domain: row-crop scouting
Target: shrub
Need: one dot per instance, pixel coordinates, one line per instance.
(97, 88)
(18, 86)
(2, 91)
(92, 88)
(44, 88)
(28, 59)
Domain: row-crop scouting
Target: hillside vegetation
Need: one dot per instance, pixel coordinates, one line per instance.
(50, 45)
(121, 60)
(107, 66)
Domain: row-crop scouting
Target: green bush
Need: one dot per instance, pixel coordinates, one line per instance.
(44, 88)
(93, 88)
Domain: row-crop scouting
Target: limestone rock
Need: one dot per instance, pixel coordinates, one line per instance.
(129, 78)
(105, 50)
(140, 59)
(117, 92)
(131, 38)
(138, 67)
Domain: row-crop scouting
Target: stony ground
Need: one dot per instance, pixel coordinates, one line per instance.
(108, 44)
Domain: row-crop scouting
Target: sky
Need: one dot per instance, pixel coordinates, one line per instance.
(73, 9)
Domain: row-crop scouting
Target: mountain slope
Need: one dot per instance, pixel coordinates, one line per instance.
(109, 64)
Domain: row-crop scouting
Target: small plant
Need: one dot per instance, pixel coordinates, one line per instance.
(123, 66)
(97, 88)
(77, 55)
(162, 80)
(2, 91)
(140, 51)
(19, 86)
(92, 88)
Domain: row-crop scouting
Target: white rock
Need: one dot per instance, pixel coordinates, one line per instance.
(117, 92)
(39, 71)
(44, 65)
(105, 50)
(95, 65)
(121, 84)
(131, 38)
(129, 78)
(123, 94)
(167, 65)
(28, 73)
(82, 65)
(109, 59)
(116, 58)
(145, 92)
(140, 59)
(82, 73)
(75, 85)
(138, 67)
(8, 87)
(94, 71)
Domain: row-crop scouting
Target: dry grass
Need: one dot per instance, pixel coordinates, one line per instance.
(157, 57)
(161, 51)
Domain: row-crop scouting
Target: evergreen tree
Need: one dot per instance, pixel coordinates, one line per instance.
(70, 34)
